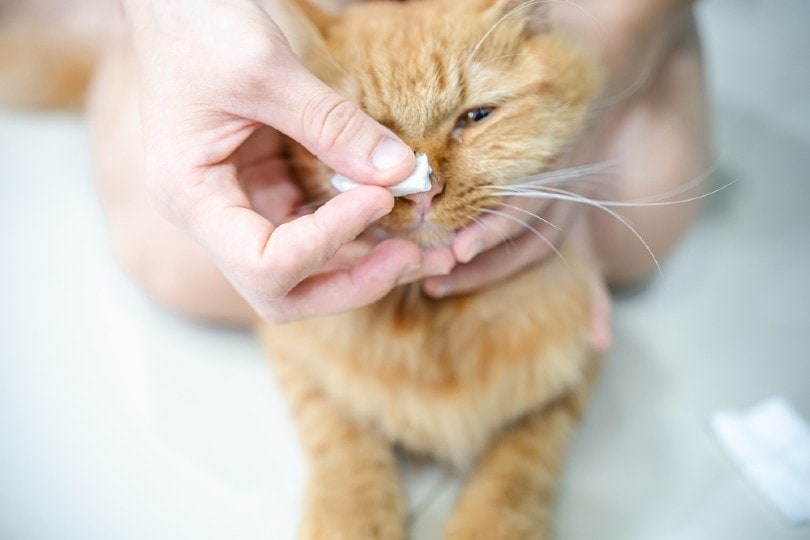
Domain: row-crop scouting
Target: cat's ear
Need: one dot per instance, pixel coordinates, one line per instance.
(532, 15)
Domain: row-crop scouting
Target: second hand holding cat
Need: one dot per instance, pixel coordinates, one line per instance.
(652, 71)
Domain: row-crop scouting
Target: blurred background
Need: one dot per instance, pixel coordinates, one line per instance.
(119, 420)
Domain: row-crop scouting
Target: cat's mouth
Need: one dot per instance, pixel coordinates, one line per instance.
(417, 217)
(432, 219)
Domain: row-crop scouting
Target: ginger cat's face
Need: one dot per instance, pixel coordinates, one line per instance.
(479, 86)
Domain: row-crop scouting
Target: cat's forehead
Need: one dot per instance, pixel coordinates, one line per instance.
(409, 68)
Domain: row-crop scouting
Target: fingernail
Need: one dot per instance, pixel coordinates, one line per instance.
(389, 153)
(471, 252)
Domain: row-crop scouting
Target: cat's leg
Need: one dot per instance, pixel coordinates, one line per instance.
(353, 490)
(510, 492)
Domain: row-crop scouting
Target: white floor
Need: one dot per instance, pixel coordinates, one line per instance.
(118, 420)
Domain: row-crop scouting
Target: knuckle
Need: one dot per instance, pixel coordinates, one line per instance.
(272, 287)
(328, 120)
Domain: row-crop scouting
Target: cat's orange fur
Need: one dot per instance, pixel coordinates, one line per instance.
(492, 382)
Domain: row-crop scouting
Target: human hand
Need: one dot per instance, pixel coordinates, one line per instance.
(651, 76)
(214, 76)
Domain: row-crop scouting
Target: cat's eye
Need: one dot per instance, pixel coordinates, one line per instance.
(473, 116)
(469, 118)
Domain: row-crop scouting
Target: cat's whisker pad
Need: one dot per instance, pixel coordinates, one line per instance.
(417, 182)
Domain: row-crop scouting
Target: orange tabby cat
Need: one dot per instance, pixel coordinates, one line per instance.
(491, 382)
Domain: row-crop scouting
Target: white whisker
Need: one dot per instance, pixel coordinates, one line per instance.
(502, 57)
(682, 189)
(562, 195)
(569, 173)
(506, 240)
(526, 226)
(538, 191)
(532, 214)
(508, 14)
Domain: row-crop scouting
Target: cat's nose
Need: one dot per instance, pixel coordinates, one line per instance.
(423, 201)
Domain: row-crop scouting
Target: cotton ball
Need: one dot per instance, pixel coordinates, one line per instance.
(417, 182)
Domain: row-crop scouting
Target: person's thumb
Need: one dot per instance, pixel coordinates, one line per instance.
(336, 130)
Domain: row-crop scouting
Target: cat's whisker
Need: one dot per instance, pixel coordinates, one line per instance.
(568, 173)
(535, 190)
(504, 238)
(544, 190)
(506, 72)
(526, 226)
(530, 213)
(633, 87)
(551, 179)
(581, 174)
(606, 102)
(503, 18)
(655, 199)
(502, 57)
(563, 195)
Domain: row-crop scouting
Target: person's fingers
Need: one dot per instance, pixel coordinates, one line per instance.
(435, 262)
(546, 220)
(333, 128)
(494, 265)
(300, 247)
(515, 217)
(508, 259)
(264, 261)
(504, 243)
(348, 287)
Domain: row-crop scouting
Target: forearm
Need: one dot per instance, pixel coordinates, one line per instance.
(661, 137)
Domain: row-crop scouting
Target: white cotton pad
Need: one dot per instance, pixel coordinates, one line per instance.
(770, 443)
(417, 182)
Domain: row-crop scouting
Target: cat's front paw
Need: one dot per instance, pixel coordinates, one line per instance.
(367, 527)
(491, 525)
(371, 511)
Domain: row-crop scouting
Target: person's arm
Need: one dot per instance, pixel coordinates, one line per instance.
(657, 131)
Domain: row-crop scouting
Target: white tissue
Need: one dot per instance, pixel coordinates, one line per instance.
(770, 443)
(417, 182)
